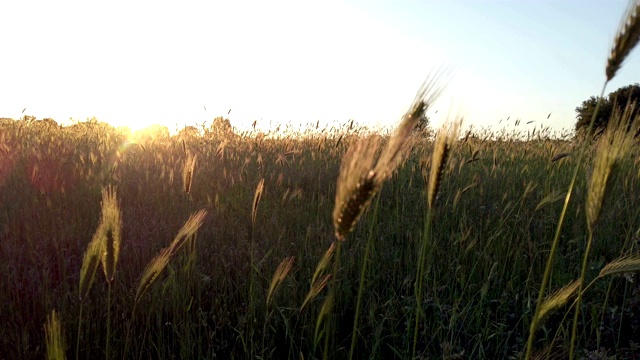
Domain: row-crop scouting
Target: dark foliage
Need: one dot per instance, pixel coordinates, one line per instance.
(616, 100)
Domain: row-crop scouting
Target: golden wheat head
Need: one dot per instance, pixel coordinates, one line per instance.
(187, 172)
(54, 338)
(554, 302)
(625, 264)
(278, 277)
(90, 264)
(256, 201)
(159, 262)
(442, 148)
(398, 147)
(614, 145)
(357, 184)
(626, 39)
(110, 231)
(318, 281)
(365, 167)
(152, 271)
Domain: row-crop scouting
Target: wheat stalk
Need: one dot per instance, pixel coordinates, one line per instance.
(54, 338)
(614, 144)
(104, 247)
(626, 39)
(155, 267)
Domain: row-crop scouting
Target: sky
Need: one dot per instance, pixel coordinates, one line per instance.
(138, 63)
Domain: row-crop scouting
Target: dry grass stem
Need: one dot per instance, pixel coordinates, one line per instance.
(626, 39)
(551, 353)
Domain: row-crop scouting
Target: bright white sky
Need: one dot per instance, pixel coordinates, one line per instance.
(139, 63)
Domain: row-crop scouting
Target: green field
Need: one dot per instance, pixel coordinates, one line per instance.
(491, 230)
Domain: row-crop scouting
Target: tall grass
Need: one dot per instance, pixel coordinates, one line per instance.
(492, 227)
(54, 337)
(441, 151)
(625, 40)
(455, 258)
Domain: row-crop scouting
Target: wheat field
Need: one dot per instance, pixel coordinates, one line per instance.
(335, 243)
(220, 293)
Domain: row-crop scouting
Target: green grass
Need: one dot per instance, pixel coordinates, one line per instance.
(489, 247)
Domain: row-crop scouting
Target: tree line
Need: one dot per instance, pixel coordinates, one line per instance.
(616, 101)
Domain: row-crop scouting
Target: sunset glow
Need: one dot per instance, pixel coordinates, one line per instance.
(286, 62)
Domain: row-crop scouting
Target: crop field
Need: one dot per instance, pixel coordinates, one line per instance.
(225, 246)
(332, 244)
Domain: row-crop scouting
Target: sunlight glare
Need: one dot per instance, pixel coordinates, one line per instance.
(185, 65)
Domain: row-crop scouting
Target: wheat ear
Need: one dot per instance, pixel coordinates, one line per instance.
(357, 184)
(363, 171)
(560, 156)
(256, 201)
(278, 277)
(626, 39)
(110, 230)
(554, 302)
(54, 338)
(187, 172)
(320, 280)
(442, 148)
(90, 264)
(159, 262)
(614, 145)
(625, 264)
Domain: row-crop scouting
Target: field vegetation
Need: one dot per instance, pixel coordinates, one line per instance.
(235, 286)
(336, 243)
